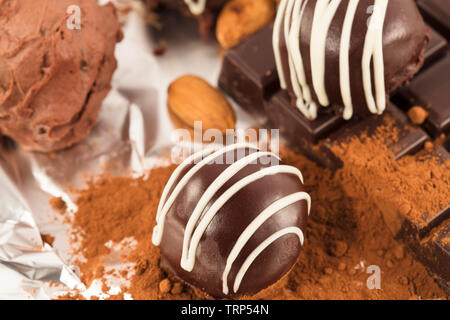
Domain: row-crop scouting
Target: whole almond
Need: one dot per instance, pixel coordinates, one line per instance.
(241, 18)
(190, 99)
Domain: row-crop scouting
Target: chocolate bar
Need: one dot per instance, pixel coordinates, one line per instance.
(252, 80)
(436, 48)
(222, 238)
(428, 237)
(431, 89)
(437, 13)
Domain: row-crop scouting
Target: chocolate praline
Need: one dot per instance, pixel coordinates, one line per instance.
(404, 36)
(253, 209)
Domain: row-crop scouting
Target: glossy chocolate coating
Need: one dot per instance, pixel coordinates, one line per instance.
(228, 224)
(249, 73)
(404, 40)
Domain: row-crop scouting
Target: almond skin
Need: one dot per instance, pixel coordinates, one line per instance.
(241, 18)
(190, 98)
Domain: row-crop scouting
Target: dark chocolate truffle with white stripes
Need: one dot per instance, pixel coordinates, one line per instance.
(231, 220)
(347, 53)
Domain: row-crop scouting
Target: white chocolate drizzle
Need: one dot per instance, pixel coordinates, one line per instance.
(188, 260)
(197, 7)
(199, 220)
(161, 214)
(255, 253)
(291, 12)
(373, 49)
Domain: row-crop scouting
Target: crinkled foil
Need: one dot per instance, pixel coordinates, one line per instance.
(133, 130)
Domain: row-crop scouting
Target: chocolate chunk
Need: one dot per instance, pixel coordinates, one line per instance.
(436, 48)
(240, 236)
(433, 251)
(437, 257)
(249, 73)
(447, 143)
(437, 13)
(431, 89)
(292, 122)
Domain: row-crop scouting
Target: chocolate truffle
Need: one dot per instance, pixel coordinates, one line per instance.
(231, 220)
(347, 54)
(54, 72)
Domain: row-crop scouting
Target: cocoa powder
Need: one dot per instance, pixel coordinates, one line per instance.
(347, 230)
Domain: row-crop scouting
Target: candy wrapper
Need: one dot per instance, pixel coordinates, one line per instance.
(132, 131)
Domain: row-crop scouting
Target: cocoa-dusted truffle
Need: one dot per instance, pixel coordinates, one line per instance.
(349, 54)
(54, 75)
(231, 221)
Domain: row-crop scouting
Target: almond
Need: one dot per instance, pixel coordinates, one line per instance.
(191, 99)
(241, 18)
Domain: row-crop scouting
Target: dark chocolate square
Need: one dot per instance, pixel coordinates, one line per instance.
(431, 89)
(410, 138)
(249, 74)
(436, 48)
(293, 124)
(437, 13)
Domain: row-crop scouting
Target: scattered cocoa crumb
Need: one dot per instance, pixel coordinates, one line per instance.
(338, 248)
(399, 252)
(161, 48)
(342, 266)
(328, 271)
(177, 288)
(429, 146)
(440, 140)
(403, 280)
(58, 204)
(351, 271)
(165, 286)
(48, 238)
(417, 115)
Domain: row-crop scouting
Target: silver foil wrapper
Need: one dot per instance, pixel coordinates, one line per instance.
(132, 133)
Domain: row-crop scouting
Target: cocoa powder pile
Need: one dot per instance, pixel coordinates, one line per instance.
(348, 230)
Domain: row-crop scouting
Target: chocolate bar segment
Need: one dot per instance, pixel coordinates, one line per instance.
(438, 259)
(431, 248)
(292, 122)
(437, 13)
(447, 143)
(436, 48)
(249, 73)
(431, 89)
(409, 139)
